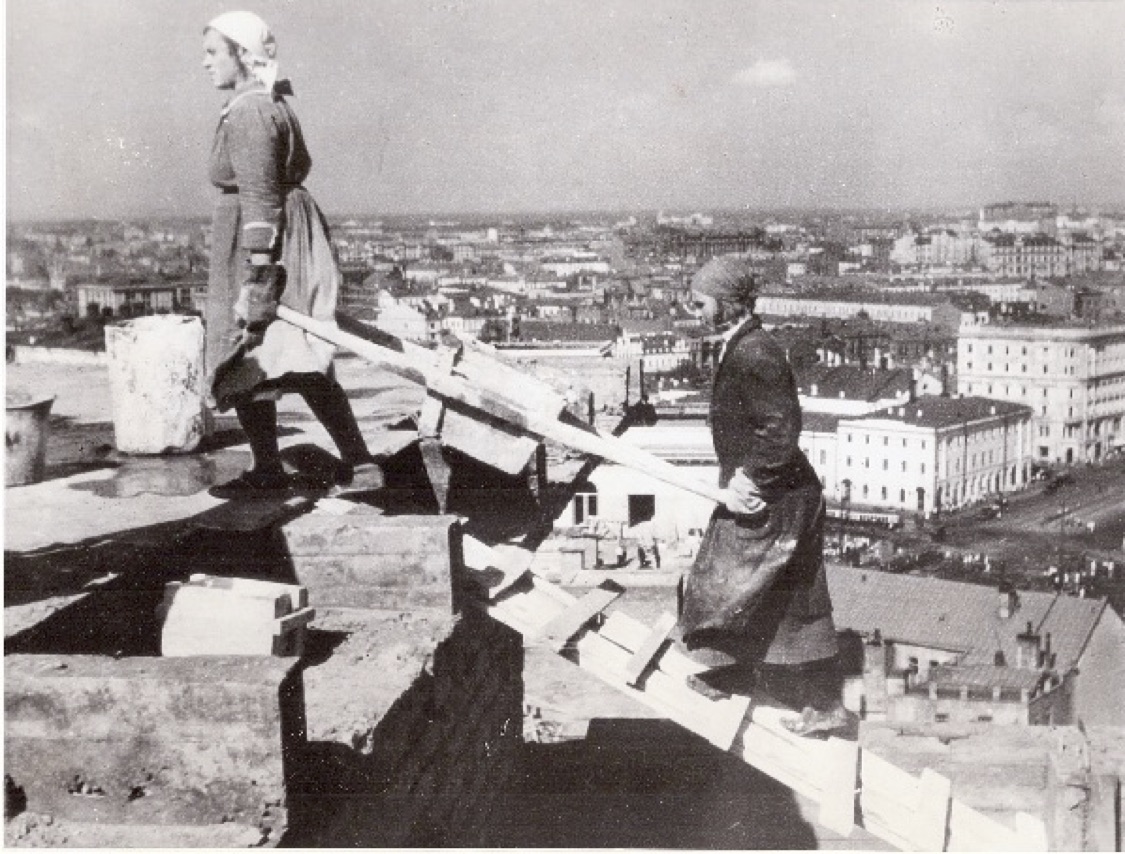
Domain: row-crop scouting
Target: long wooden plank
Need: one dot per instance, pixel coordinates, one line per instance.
(838, 786)
(888, 796)
(930, 826)
(534, 602)
(494, 569)
(1031, 835)
(970, 830)
(718, 721)
(513, 411)
(647, 651)
(479, 368)
(558, 632)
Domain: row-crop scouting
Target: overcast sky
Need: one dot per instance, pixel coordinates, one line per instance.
(518, 105)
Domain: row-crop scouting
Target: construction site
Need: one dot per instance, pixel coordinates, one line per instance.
(400, 667)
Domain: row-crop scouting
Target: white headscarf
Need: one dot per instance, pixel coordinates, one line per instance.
(249, 31)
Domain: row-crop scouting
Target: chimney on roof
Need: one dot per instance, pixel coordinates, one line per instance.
(1009, 600)
(877, 660)
(1028, 655)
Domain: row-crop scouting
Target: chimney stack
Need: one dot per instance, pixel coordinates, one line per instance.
(1028, 656)
(1009, 600)
(876, 663)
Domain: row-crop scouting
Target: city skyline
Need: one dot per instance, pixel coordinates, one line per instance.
(504, 107)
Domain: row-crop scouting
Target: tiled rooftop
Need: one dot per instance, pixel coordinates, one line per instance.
(937, 411)
(959, 617)
(853, 382)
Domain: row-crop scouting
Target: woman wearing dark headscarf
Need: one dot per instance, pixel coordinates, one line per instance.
(269, 246)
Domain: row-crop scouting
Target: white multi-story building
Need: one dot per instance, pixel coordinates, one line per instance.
(933, 453)
(937, 247)
(573, 264)
(1073, 378)
(902, 308)
(658, 351)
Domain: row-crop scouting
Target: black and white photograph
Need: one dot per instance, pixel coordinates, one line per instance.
(573, 424)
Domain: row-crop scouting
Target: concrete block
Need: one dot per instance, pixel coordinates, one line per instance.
(406, 582)
(366, 533)
(233, 616)
(157, 741)
(378, 562)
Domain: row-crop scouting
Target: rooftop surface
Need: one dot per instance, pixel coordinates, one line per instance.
(937, 411)
(91, 491)
(959, 617)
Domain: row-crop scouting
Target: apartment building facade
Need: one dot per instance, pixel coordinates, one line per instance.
(1073, 378)
(931, 454)
(904, 308)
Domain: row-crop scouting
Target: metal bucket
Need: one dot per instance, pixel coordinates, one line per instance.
(25, 437)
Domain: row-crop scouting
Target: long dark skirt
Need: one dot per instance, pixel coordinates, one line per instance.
(758, 592)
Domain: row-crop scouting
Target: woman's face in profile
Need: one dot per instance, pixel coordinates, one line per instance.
(220, 61)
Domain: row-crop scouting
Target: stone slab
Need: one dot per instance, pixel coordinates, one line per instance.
(187, 741)
(359, 532)
(367, 560)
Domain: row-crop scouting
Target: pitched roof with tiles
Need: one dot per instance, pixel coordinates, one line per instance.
(853, 382)
(819, 422)
(959, 617)
(545, 330)
(937, 411)
(985, 676)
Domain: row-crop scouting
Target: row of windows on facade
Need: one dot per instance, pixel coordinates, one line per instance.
(1068, 370)
(985, 458)
(951, 442)
(1097, 398)
(1023, 350)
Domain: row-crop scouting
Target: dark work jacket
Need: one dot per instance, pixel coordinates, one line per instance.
(757, 590)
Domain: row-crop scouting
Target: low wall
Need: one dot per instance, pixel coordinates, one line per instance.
(25, 354)
(1068, 776)
(399, 726)
(152, 742)
(418, 751)
(415, 719)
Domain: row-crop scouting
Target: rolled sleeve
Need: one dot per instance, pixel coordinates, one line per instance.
(256, 157)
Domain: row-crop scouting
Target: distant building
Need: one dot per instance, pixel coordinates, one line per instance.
(1017, 217)
(408, 323)
(942, 248)
(657, 351)
(547, 331)
(878, 306)
(573, 264)
(936, 650)
(142, 298)
(1073, 377)
(932, 454)
(850, 390)
(1037, 255)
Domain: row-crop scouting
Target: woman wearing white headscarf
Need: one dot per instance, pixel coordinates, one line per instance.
(270, 245)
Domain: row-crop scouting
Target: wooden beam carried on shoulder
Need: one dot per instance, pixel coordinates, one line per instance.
(515, 405)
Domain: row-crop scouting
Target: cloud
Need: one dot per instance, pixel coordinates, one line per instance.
(765, 73)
